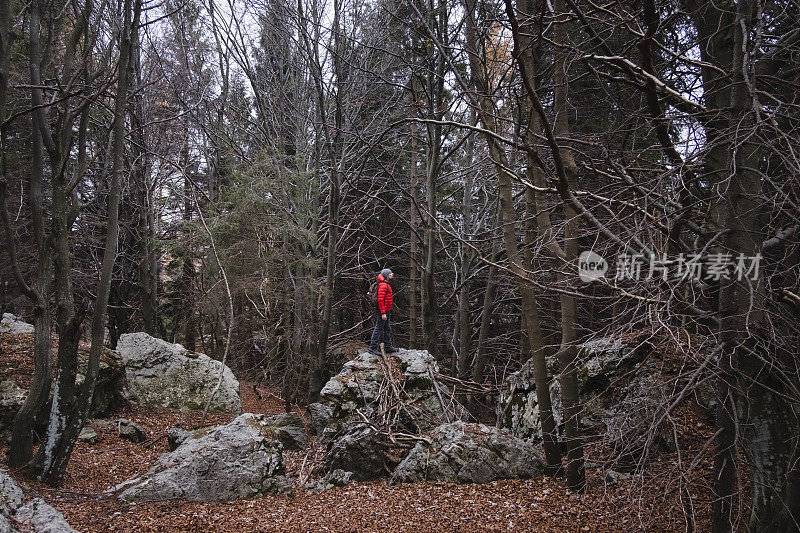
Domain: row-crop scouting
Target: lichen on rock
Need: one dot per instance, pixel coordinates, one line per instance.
(163, 374)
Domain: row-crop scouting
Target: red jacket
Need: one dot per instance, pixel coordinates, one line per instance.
(385, 297)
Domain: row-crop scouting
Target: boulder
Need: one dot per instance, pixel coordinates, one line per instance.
(633, 425)
(426, 402)
(469, 453)
(11, 496)
(335, 478)
(5, 525)
(361, 452)
(612, 477)
(319, 415)
(14, 325)
(124, 428)
(11, 399)
(163, 374)
(87, 435)
(175, 437)
(109, 388)
(290, 430)
(35, 516)
(601, 363)
(242, 459)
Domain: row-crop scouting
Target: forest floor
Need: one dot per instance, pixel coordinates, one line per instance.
(651, 501)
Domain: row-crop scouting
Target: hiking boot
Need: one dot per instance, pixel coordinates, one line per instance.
(392, 350)
(375, 351)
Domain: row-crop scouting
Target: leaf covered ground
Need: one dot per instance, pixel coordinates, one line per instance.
(651, 501)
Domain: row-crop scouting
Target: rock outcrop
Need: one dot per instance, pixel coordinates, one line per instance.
(469, 453)
(634, 425)
(602, 362)
(357, 390)
(35, 516)
(163, 374)
(109, 387)
(242, 459)
(11, 399)
(14, 325)
(124, 429)
(360, 453)
(289, 429)
(176, 437)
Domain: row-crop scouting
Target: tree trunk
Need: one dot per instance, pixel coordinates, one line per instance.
(576, 473)
(464, 324)
(739, 302)
(530, 309)
(21, 446)
(70, 410)
(486, 314)
(414, 220)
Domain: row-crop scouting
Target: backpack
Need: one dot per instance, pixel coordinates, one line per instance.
(373, 292)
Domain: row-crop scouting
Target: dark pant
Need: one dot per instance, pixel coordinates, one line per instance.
(382, 332)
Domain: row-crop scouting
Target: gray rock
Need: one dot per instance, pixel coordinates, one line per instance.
(35, 516)
(13, 325)
(336, 478)
(175, 437)
(290, 430)
(167, 375)
(242, 459)
(124, 428)
(469, 453)
(319, 415)
(130, 431)
(11, 496)
(39, 517)
(360, 382)
(11, 399)
(601, 362)
(359, 451)
(109, 388)
(612, 477)
(87, 435)
(5, 525)
(633, 425)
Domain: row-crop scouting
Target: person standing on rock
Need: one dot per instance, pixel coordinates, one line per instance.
(383, 326)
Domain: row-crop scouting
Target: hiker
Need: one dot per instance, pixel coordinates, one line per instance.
(383, 327)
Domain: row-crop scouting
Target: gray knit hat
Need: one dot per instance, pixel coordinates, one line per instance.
(385, 273)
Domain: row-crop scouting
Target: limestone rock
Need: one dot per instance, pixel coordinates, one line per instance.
(35, 516)
(336, 478)
(319, 414)
(11, 399)
(290, 430)
(469, 453)
(109, 387)
(13, 325)
(5, 525)
(360, 382)
(124, 428)
(242, 459)
(360, 452)
(176, 437)
(39, 517)
(601, 362)
(11, 496)
(612, 477)
(163, 374)
(632, 425)
(87, 435)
